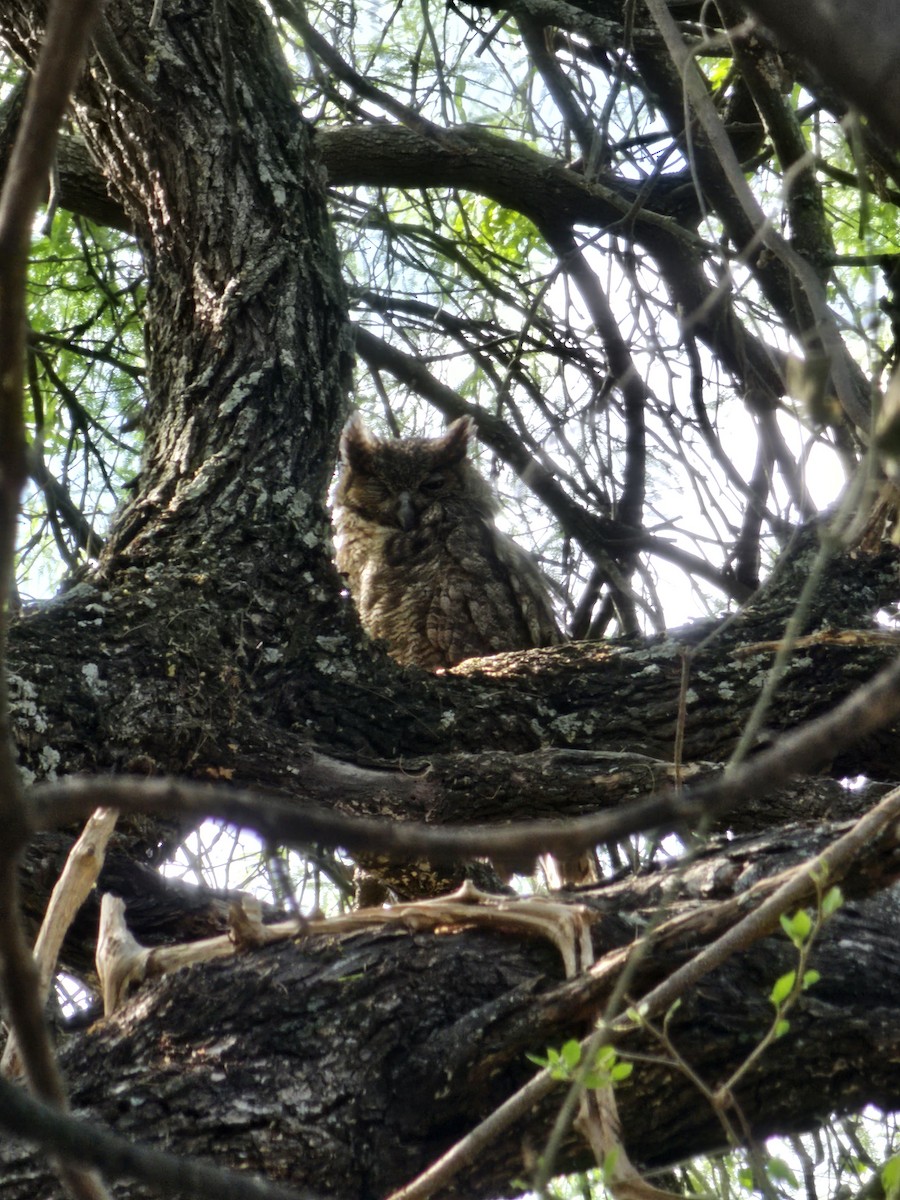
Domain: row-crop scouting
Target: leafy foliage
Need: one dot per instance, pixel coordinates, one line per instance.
(84, 392)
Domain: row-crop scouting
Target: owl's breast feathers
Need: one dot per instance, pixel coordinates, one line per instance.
(436, 597)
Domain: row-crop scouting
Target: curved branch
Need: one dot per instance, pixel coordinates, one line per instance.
(855, 48)
(601, 537)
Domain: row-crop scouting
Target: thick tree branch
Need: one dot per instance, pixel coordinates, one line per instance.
(854, 48)
(462, 1008)
(869, 708)
(213, 646)
(782, 894)
(81, 1142)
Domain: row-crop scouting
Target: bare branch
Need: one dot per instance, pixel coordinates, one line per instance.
(57, 72)
(79, 875)
(773, 896)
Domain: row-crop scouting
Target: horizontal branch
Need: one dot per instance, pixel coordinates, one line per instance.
(331, 992)
(548, 192)
(867, 709)
(766, 902)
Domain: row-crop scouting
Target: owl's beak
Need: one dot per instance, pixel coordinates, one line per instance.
(406, 514)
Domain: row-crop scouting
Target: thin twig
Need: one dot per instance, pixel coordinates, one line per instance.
(58, 69)
(799, 885)
(843, 374)
(82, 1141)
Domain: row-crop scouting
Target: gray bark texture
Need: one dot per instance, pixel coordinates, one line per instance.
(348, 1064)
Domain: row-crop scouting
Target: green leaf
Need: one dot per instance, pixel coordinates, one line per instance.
(777, 1169)
(605, 1058)
(783, 988)
(890, 1178)
(798, 927)
(809, 978)
(571, 1053)
(621, 1071)
(781, 1027)
(832, 901)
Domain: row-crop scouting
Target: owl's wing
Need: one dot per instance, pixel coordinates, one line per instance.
(490, 597)
(531, 590)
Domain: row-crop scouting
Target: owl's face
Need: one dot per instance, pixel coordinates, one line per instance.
(406, 484)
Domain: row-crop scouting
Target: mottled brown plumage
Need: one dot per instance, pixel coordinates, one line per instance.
(431, 574)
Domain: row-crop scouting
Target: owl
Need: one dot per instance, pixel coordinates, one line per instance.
(431, 574)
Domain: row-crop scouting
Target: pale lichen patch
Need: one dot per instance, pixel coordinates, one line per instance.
(91, 674)
(23, 704)
(573, 727)
(49, 759)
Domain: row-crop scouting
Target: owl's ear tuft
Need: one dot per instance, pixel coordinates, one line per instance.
(357, 443)
(455, 441)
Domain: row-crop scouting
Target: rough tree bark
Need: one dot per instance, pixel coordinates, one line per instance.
(213, 643)
(348, 1064)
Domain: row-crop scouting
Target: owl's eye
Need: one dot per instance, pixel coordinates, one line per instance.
(433, 483)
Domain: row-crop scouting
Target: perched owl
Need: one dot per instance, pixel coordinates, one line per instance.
(430, 573)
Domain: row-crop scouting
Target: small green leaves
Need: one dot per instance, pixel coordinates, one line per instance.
(783, 988)
(801, 928)
(890, 1178)
(571, 1054)
(562, 1065)
(606, 1069)
(832, 901)
(785, 985)
(798, 927)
